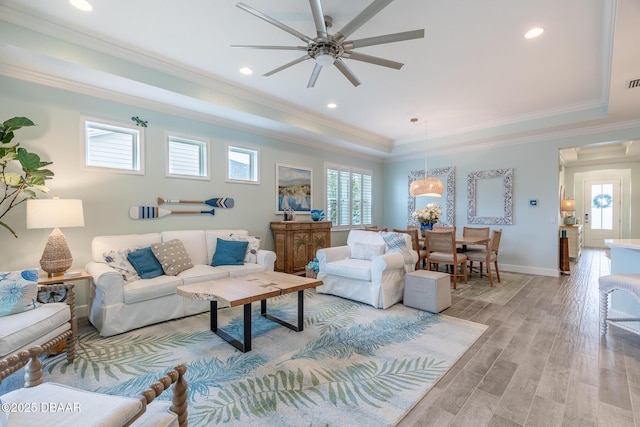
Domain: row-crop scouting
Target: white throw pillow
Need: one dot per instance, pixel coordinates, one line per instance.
(252, 248)
(365, 251)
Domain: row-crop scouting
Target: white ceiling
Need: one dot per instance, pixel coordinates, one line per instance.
(473, 79)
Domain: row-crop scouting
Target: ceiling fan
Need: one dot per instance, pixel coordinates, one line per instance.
(327, 49)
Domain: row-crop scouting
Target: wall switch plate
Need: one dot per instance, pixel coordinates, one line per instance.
(533, 202)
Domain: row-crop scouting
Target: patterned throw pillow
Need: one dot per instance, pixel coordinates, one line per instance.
(119, 262)
(172, 256)
(252, 248)
(18, 291)
(397, 244)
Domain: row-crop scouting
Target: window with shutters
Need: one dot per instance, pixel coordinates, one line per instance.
(113, 147)
(242, 165)
(348, 191)
(187, 157)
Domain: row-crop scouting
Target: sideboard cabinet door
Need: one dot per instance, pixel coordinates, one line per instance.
(296, 242)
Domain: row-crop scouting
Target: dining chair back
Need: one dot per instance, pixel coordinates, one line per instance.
(415, 242)
(487, 256)
(441, 249)
(374, 228)
(476, 232)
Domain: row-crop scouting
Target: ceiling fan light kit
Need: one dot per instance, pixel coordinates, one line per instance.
(330, 49)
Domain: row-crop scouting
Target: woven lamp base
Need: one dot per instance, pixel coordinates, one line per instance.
(56, 257)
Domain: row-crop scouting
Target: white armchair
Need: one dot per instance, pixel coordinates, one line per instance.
(368, 269)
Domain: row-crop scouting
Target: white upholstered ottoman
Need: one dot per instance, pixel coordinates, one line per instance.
(427, 290)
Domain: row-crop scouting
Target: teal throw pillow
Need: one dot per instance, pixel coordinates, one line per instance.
(145, 263)
(18, 291)
(229, 252)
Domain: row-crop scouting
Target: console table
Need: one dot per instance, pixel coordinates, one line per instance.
(296, 242)
(574, 235)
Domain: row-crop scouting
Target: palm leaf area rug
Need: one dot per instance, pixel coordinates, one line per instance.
(500, 293)
(353, 365)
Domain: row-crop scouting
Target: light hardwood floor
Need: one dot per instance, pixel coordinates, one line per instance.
(542, 361)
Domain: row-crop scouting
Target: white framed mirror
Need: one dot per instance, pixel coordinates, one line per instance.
(447, 201)
(490, 197)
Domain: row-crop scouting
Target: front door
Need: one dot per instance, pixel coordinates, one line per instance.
(601, 216)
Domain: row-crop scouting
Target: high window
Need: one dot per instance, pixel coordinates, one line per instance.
(242, 165)
(348, 193)
(187, 158)
(113, 147)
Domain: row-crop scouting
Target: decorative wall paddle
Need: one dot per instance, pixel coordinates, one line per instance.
(149, 212)
(218, 202)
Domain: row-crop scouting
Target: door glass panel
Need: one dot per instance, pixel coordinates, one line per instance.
(602, 207)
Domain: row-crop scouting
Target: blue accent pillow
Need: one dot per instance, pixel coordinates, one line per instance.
(229, 252)
(145, 263)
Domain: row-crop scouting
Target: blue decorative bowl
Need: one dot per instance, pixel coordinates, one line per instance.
(317, 214)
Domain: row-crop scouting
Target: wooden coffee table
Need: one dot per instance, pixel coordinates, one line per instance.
(244, 290)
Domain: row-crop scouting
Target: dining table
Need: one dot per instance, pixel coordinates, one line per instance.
(464, 241)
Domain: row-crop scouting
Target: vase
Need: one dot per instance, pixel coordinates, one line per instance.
(425, 226)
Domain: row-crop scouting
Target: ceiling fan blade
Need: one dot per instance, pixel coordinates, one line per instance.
(272, 21)
(287, 65)
(255, 46)
(372, 60)
(368, 13)
(318, 18)
(340, 65)
(387, 38)
(314, 75)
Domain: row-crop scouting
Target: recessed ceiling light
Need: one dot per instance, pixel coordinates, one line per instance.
(83, 5)
(533, 33)
(246, 71)
(332, 105)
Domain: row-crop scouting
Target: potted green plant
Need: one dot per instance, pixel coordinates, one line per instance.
(21, 172)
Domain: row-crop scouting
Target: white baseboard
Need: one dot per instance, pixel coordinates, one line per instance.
(529, 270)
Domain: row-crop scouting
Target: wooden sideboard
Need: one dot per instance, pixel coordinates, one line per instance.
(296, 242)
(574, 234)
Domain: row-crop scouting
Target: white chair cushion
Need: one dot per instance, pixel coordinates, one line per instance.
(146, 289)
(158, 414)
(446, 257)
(58, 405)
(480, 255)
(21, 329)
(357, 269)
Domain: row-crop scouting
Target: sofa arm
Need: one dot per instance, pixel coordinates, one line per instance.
(108, 282)
(266, 258)
(335, 253)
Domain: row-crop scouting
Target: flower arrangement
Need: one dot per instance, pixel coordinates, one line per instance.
(429, 214)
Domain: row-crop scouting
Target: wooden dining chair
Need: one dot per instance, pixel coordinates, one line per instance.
(476, 232)
(374, 228)
(415, 241)
(441, 249)
(487, 256)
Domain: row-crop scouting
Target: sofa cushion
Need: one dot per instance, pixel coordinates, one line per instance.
(202, 273)
(146, 289)
(28, 326)
(18, 291)
(367, 251)
(194, 242)
(241, 270)
(251, 255)
(357, 269)
(173, 256)
(229, 252)
(145, 263)
(119, 261)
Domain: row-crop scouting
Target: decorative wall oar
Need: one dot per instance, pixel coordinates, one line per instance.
(149, 212)
(218, 202)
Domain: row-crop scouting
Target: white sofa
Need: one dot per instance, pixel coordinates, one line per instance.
(117, 307)
(366, 269)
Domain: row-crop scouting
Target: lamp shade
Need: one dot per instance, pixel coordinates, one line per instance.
(52, 213)
(568, 205)
(427, 186)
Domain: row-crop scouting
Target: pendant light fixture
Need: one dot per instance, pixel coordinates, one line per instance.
(429, 185)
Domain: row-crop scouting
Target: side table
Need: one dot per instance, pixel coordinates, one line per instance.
(59, 295)
(427, 290)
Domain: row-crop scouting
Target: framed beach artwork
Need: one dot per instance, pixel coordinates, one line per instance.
(293, 188)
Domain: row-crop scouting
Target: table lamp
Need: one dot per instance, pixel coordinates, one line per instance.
(568, 205)
(55, 213)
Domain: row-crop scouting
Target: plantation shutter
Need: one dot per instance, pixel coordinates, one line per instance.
(349, 196)
(345, 198)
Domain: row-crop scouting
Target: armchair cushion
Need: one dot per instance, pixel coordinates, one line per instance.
(18, 291)
(145, 263)
(366, 251)
(358, 269)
